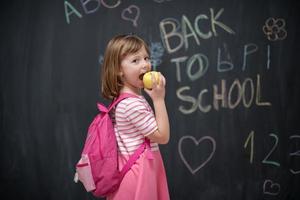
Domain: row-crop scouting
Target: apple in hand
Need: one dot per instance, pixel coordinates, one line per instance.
(147, 79)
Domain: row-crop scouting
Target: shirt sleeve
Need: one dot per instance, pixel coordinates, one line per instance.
(140, 115)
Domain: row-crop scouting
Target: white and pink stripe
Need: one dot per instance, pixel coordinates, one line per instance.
(133, 119)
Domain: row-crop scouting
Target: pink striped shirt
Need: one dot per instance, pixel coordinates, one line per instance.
(133, 121)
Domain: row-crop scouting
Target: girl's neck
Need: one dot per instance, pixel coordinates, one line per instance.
(135, 91)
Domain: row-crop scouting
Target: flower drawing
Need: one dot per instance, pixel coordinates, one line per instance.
(275, 29)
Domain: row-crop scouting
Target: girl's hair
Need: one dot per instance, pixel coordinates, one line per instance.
(117, 48)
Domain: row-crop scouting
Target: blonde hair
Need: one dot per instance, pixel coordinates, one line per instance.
(117, 48)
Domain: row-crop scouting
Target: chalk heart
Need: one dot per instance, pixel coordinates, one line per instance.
(271, 188)
(197, 143)
(131, 13)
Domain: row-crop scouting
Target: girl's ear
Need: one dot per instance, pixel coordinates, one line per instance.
(121, 75)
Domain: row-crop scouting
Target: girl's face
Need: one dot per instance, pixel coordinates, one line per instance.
(133, 66)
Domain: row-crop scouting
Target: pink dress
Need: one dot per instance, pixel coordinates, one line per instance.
(146, 180)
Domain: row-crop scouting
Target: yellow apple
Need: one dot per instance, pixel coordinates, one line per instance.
(147, 79)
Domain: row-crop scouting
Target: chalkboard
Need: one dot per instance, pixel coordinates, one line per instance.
(232, 93)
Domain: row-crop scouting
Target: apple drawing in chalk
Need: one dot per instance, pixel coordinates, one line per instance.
(147, 79)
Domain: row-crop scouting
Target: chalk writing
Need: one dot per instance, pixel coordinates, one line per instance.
(296, 153)
(274, 29)
(69, 10)
(223, 65)
(268, 61)
(250, 138)
(222, 97)
(197, 143)
(118, 2)
(199, 62)
(248, 49)
(199, 58)
(175, 27)
(89, 7)
(266, 161)
(131, 13)
(184, 30)
(271, 188)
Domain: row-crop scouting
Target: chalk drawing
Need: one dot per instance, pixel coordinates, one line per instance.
(132, 13)
(197, 143)
(156, 52)
(271, 188)
(274, 29)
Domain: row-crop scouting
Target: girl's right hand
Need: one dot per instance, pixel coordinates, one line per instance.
(158, 90)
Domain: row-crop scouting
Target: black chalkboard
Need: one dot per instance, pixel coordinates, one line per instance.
(232, 93)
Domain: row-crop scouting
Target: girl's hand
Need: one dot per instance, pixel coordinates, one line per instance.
(158, 90)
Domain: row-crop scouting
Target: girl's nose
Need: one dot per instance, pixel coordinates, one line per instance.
(146, 64)
(145, 67)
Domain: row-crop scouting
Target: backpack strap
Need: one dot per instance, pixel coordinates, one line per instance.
(102, 108)
(120, 98)
(145, 145)
(133, 158)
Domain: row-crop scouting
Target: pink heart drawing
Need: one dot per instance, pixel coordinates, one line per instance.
(197, 143)
(271, 188)
(131, 13)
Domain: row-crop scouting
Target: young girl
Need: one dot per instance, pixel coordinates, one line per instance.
(125, 61)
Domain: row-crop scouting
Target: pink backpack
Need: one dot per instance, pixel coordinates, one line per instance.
(98, 167)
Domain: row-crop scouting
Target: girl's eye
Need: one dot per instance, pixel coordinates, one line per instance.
(147, 58)
(135, 61)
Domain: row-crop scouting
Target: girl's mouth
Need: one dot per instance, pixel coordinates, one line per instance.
(141, 76)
